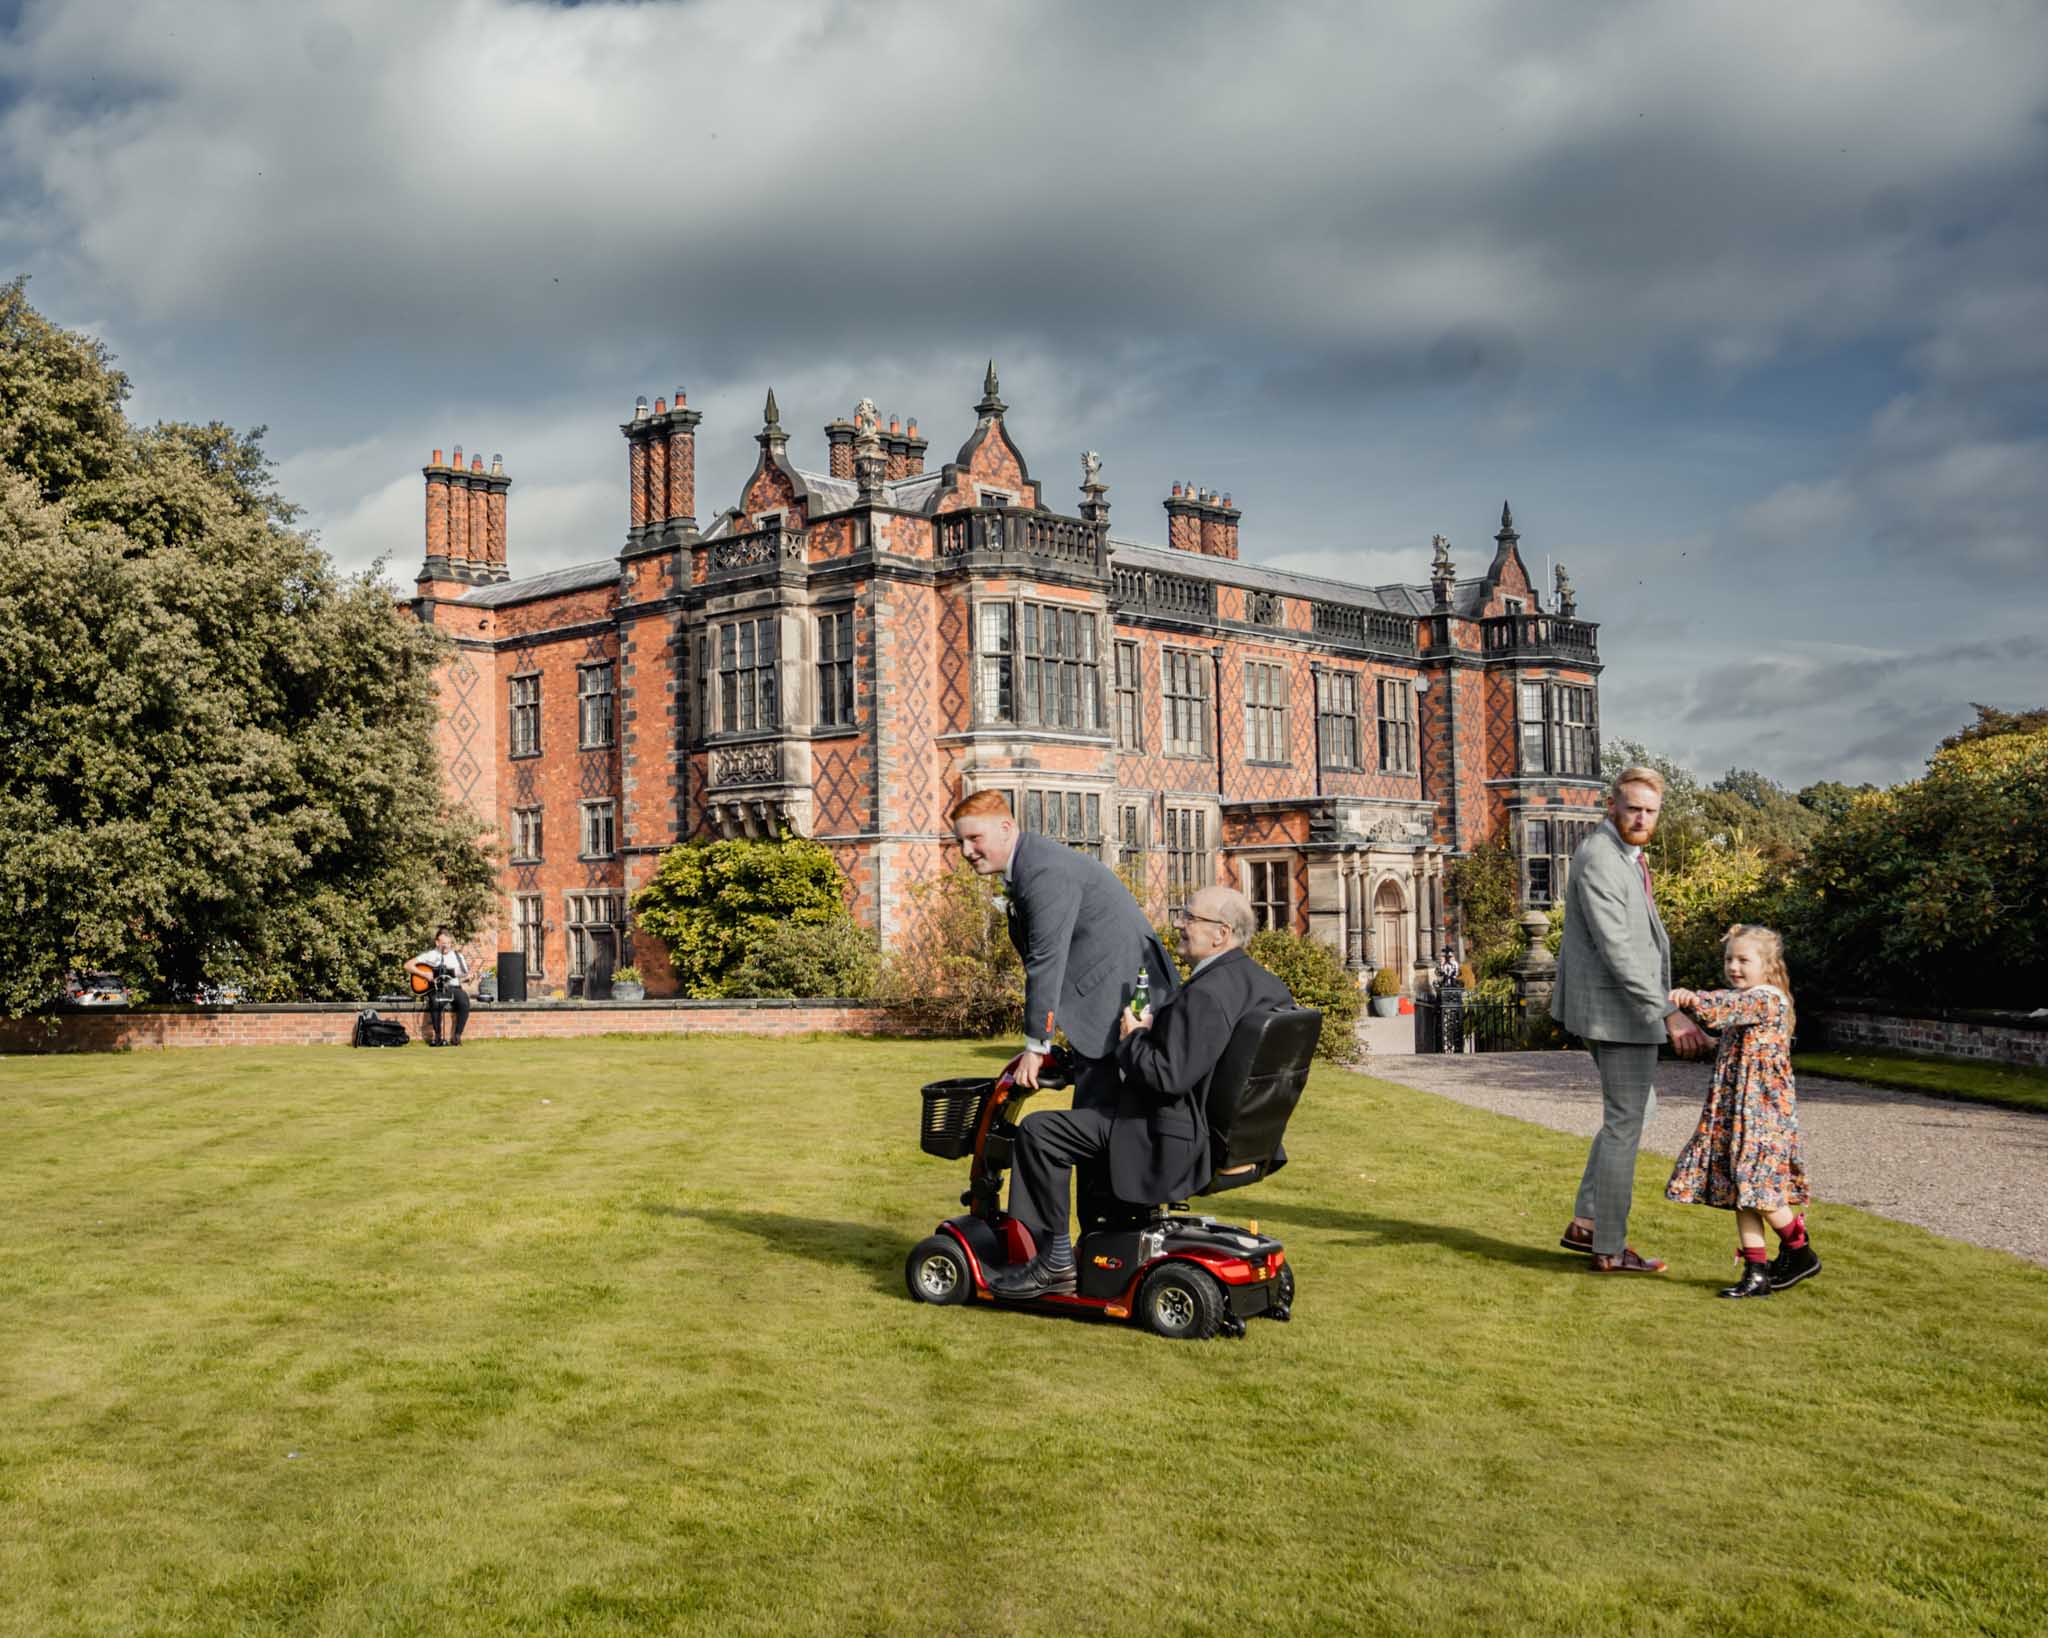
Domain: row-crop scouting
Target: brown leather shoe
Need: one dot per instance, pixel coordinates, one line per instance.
(1577, 1239)
(1628, 1262)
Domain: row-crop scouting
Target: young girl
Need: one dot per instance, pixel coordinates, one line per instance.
(1745, 1153)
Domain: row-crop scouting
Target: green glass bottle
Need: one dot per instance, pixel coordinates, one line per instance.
(1141, 994)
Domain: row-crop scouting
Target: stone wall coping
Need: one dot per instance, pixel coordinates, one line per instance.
(411, 1004)
(1991, 1019)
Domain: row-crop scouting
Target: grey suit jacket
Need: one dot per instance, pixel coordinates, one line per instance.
(1083, 939)
(1614, 967)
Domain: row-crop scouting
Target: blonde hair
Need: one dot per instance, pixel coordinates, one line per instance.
(1772, 948)
(1637, 775)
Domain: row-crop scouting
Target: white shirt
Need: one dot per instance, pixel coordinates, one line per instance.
(453, 962)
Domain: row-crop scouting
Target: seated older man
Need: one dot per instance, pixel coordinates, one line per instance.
(1157, 1137)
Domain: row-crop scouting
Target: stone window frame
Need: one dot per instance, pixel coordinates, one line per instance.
(1129, 692)
(1190, 849)
(1258, 872)
(1545, 841)
(1183, 698)
(529, 927)
(528, 835)
(746, 687)
(1337, 719)
(598, 822)
(832, 633)
(1266, 725)
(1075, 805)
(523, 712)
(1013, 667)
(1549, 737)
(1396, 728)
(588, 714)
(578, 923)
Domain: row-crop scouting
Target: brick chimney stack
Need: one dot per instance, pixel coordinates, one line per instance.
(839, 440)
(913, 450)
(465, 523)
(1198, 520)
(661, 472)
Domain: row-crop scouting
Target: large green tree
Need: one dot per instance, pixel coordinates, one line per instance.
(216, 752)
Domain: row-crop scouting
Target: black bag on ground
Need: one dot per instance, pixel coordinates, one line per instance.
(372, 1031)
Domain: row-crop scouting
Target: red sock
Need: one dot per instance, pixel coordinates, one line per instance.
(1754, 1254)
(1793, 1235)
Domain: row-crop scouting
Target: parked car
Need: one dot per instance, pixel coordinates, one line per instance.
(96, 990)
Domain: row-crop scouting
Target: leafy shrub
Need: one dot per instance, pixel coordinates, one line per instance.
(628, 974)
(1483, 886)
(1386, 982)
(1315, 977)
(956, 969)
(1717, 887)
(711, 902)
(831, 958)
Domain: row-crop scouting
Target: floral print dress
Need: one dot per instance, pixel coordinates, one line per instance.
(1745, 1151)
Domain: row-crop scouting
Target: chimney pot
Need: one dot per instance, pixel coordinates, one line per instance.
(476, 463)
(436, 461)
(639, 409)
(895, 427)
(913, 426)
(497, 466)
(661, 406)
(680, 399)
(458, 456)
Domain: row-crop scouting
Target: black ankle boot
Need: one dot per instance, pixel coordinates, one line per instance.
(1793, 1264)
(1755, 1282)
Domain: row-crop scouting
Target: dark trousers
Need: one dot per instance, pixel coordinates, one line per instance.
(457, 998)
(1050, 1144)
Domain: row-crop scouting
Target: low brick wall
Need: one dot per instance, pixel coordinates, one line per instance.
(123, 1029)
(1983, 1037)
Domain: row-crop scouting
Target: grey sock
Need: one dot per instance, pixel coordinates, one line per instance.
(1058, 1251)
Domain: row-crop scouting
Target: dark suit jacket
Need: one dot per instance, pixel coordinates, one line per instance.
(1083, 939)
(1159, 1144)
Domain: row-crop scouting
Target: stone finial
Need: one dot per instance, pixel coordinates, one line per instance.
(1091, 468)
(771, 417)
(1507, 522)
(991, 397)
(867, 420)
(1567, 598)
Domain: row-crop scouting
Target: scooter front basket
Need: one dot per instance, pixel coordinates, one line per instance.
(952, 1112)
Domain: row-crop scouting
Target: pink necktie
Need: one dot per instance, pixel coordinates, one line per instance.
(1643, 859)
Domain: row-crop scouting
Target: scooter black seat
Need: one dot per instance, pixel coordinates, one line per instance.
(1253, 1091)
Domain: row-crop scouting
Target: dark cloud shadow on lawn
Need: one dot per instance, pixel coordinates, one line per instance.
(876, 1252)
(1405, 1231)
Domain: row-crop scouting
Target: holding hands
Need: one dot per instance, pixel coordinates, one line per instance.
(1688, 1040)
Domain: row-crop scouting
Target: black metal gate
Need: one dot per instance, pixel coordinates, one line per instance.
(1454, 1020)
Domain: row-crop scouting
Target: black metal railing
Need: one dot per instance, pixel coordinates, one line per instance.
(1541, 636)
(1457, 1020)
(1376, 629)
(1008, 531)
(1153, 591)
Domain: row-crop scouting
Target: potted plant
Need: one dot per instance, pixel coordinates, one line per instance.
(1385, 990)
(487, 984)
(627, 984)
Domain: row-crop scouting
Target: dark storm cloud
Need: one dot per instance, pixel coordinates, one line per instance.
(1368, 267)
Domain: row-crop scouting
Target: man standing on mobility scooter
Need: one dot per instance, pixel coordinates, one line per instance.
(1083, 941)
(1157, 1136)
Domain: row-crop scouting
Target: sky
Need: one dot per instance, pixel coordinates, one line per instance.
(1742, 306)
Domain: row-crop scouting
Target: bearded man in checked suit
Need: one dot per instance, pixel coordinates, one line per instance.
(1612, 991)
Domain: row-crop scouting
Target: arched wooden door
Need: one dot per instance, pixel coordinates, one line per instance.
(1390, 929)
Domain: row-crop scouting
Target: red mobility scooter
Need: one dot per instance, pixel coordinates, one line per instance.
(1178, 1274)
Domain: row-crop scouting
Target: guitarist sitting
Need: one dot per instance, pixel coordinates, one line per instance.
(438, 975)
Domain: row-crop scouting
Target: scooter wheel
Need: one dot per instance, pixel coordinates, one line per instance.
(1283, 1295)
(936, 1272)
(1180, 1302)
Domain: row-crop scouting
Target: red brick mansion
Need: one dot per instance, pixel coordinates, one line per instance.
(845, 652)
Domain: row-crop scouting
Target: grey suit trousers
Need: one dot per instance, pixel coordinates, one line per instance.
(1627, 1099)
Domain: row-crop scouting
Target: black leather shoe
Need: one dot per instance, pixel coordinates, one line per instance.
(1032, 1279)
(1792, 1265)
(1755, 1282)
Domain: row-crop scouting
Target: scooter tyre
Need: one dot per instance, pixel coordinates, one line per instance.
(1181, 1303)
(936, 1271)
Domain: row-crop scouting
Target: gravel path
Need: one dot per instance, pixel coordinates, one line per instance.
(1972, 1171)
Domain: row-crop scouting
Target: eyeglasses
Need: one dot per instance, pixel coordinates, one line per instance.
(1180, 918)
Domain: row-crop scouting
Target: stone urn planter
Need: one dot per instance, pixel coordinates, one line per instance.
(626, 985)
(1386, 993)
(1385, 1006)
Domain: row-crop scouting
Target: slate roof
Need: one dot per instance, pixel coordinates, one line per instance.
(911, 494)
(580, 578)
(1396, 599)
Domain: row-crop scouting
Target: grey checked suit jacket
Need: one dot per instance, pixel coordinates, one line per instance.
(1083, 938)
(1614, 967)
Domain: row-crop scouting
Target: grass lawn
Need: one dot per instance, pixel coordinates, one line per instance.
(611, 1337)
(2009, 1084)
